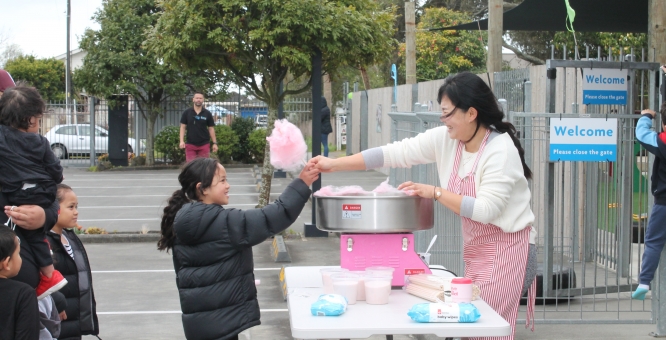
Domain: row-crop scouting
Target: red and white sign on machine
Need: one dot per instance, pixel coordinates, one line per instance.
(351, 211)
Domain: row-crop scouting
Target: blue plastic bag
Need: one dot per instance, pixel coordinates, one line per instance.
(444, 312)
(329, 305)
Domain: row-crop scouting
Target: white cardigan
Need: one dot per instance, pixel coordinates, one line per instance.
(502, 192)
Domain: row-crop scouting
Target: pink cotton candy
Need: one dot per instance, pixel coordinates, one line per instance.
(352, 190)
(385, 188)
(355, 190)
(288, 148)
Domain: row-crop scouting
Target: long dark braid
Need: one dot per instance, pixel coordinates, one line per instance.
(466, 90)
(200, 170)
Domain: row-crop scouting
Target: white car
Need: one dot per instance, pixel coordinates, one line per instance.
(70, 139)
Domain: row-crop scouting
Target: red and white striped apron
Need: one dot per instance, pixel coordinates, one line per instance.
(494, 260)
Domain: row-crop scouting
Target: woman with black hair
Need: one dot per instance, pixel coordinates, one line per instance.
(212, 247)
(481, 162)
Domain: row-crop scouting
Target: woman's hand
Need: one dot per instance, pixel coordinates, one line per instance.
(29, 217)
(309, 174)
(323, 164)
(422, 190)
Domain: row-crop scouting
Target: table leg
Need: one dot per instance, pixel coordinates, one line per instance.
(389, 337)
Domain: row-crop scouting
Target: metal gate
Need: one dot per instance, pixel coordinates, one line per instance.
(591, 217)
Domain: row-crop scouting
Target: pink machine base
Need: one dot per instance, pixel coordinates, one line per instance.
(386, 250)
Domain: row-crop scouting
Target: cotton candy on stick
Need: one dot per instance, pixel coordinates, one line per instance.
(288, 148)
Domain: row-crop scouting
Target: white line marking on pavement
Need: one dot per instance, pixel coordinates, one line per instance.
(132, 271)
(156, 271)
(175, 312)
(121, 219)
(152, 206)
(138, 179)
(157, 186)
(165, 196)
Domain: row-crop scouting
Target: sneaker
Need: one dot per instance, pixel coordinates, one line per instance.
(48, 286)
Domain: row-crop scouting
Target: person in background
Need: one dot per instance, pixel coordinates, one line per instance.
(71, 259)
(481, 162)
(655, 234)
(212, 247)
(18, 303)
(200, 127)
(29, 172)
(326, 127)
(6, 81)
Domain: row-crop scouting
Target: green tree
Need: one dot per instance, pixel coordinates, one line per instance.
(46, 75)
(260, 42)
(117, 63)
(440, 53)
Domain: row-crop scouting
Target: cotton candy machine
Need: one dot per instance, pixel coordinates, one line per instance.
(377, 230)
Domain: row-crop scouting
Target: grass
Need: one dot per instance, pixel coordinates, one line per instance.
(609, 205)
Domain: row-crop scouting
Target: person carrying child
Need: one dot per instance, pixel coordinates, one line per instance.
(18, 304)
(212, 247)
(71, 259)
(29, 172)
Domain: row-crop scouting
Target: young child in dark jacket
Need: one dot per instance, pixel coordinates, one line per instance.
(71, 259)
(29, 172)
(212, 247)
(655, 235)
(19, 319)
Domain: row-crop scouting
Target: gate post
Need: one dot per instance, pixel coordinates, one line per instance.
(91, 109)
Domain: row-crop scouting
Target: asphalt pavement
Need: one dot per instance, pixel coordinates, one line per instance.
(135, 284)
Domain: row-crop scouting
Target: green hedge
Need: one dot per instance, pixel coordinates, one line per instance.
(168, 143)
(227, 143)
(257, 144)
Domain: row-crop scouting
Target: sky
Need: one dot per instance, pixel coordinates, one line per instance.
(39, 27)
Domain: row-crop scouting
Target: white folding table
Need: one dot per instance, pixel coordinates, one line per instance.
(362, 320)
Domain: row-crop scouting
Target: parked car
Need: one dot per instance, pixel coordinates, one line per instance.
(261, 121)
(74, 139)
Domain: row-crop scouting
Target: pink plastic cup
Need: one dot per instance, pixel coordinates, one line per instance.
(377, 289)
(360, 293)
(346, 284)
(326, 278)
(461, 290)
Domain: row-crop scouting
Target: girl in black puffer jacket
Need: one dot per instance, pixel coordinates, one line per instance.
(71, 259)
(212, 247)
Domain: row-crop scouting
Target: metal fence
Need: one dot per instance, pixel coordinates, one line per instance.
(591, 216)
(69, 129)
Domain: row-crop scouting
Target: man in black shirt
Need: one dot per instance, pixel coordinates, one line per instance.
(200, 128)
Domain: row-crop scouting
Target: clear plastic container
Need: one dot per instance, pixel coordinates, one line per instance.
(380, 271)
(377, 289)
(326, 278)
(346, 284)
(360, 293)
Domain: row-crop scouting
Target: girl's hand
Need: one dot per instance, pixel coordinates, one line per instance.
(323, 164)
(309, 174)
(29, 217)
(422, 190)
(648, 111)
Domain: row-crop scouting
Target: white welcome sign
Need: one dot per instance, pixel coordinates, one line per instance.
(583, 139)
(605, 86)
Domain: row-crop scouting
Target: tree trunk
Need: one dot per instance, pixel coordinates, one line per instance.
(366, 80)
(150, 137)
(657, 30)
(267, 169)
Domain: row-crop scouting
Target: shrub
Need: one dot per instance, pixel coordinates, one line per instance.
(243, 127)
(95, 230)
(168, 143)
(227, 142)
(257, 141)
